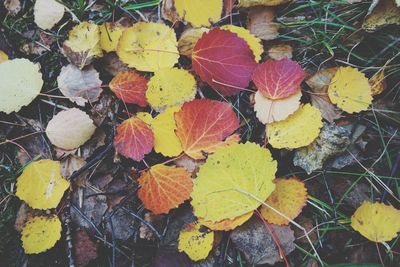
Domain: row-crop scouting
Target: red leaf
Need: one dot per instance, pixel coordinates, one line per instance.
(130, 87)
(224, 61)
(164, 188)
(277, 79)
(134, 139)
(203, 124)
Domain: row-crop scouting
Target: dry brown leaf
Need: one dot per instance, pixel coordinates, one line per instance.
(80, 86)
(378, 82)
(13, 6)
(72, 163)
(386, 12)
(188, 39)
(268, 110)
(168, 11)
(281, 51)
(85, 249)
(260, 22)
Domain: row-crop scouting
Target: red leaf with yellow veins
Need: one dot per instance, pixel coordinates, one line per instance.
(202, 124)
(223, 60)
(164, 188)
(130, 87)
(277, 79)
(134, 139)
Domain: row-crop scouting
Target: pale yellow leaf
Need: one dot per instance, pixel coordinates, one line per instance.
(109, 36)
(188, 39)
(48, 13)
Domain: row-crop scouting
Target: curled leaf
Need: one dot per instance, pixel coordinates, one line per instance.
(188, 40)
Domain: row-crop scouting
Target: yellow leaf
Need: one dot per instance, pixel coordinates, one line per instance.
(85, 38)
(70, 128)
(40, 233)
(376, 221)
(47, 13)
(350, 90)
(199, 13)
(170, 87)
(188, 39)
(21, 82)
(377, 82)
(227, 224)
(289, 197)
(298, 130)
(165, 140)
(249, 3)
(233, 181)
(40, 185)
(148, 46)
(270, 110)
(3, 56)
(109, 36)
(253, 42)
(195, 242)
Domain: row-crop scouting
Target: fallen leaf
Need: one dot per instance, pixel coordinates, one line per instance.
(3, 56)
(40, 233)
(331, 141)
(386, 12)
(277, 79)
(260, 22)
(21, 82)
(250, 3)
(202, 124)
(148, 46)
(130, 87)
(199, 13)
(70, 128)
(227, 224)
(289, 198)
(376, 221)
(163, 188)
(232, 179)
(80, 85)
(298, 130)
(189, 164)
(152, 219)
(168, 11)
(24, 213)
(253, 42)
(85, 250)
(171, 258)
(196, 242)
(13, 6)
(350, 90)
(113, 65)
(72, 163)
(83, 44)
(134, 139)
(268, 110)
(109, 36)
(188, 40)
(229, 5)
(47, 13)
(319, 84)
(278, 52)
(122, 225)
(49, 185)
(378, 82)
(170, 87)
(223, 60)
(255, 241)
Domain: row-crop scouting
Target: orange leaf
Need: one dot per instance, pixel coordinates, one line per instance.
(130, 87)
(164, 188)
(202, 124)
(289, 197)
(134, 139)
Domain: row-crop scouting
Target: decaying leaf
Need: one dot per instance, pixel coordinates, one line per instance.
(268, 110)
(109, 36)
(223, 60)
(13, 6)
(277, 79)
(199, 13)
(227, 224)
(163, 188)
(230, 182)
(130, 87)
(148, 46)
(281, 51)
(260, 22)
(195, 241)
(134, 139)
(170, 87)
(188, 40)
(21, 82)
(298, 130)
(253, 42)
(70, 128)
(289, 198)
(85, 249)
(167, 257)
(378, 82)
(49, 185)
(250, 3)
(80, 85)
(332, 141)
(256, 241)
(40, 233)
(47, 13)
(202, 124)
(350, 90)
(376, 221)
(386, 12)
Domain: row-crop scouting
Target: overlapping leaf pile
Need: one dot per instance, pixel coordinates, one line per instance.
(174, 119)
